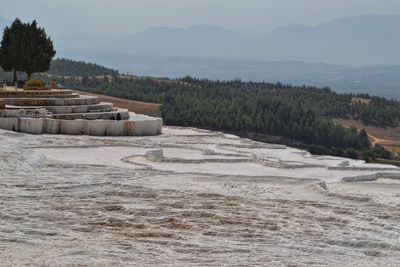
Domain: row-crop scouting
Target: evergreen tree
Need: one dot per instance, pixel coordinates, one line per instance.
(26, 47)
(38, 50)
(11, 49)
(364, 140)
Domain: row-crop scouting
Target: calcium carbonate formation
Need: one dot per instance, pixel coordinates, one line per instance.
(54, 111)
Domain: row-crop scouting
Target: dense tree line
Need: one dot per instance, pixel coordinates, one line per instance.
(379, 111)
(25, 47)
(67, 67)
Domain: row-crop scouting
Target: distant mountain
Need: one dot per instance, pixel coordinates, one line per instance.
(358, 41)
(363, 40)
(196, 41)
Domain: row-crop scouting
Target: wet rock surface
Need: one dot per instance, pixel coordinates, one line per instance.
(190, 197)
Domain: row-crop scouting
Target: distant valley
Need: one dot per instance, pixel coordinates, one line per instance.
(354, 59)
(376, 80)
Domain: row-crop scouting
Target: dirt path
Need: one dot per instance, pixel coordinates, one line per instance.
(388, 137)
(376, 140)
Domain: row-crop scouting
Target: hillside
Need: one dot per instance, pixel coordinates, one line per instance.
(67, 67)
(269, 112)
(196, 41)
(389, 137)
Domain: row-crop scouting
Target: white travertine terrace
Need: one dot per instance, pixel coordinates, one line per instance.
(65, 112)
(191, 197)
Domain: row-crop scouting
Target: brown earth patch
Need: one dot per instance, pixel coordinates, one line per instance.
(388, 137)
(360, 100)
(146, 108)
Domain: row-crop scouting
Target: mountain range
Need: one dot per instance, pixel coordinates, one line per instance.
(362, 40)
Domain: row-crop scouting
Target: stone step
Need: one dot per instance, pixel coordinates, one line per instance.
(74, 95)
(135, 126)
(42, 102)
(35, 93)
(24, 113)
(110, 115)
(101, 107)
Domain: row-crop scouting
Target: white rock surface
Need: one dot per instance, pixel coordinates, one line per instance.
(137, 124)
(191, 197)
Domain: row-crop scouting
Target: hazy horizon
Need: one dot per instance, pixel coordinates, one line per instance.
(122, 17)
(255, 41)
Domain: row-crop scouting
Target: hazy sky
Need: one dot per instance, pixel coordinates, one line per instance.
(124, 17)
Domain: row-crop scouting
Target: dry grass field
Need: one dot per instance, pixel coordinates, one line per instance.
(360, 100)
(388, 137)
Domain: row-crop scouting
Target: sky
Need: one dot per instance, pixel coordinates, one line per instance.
(125, 17)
